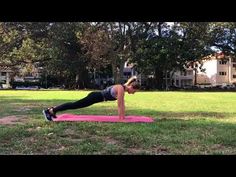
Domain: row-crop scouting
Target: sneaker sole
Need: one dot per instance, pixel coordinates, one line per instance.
(45, 117)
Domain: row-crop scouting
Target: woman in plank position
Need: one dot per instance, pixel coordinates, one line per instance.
(114, 92)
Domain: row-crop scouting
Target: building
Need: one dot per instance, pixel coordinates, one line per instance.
(103, 81)
(129, 71)
(31, 75)
(183, 78)
(23, 76)
(5, 76)
(219, 69)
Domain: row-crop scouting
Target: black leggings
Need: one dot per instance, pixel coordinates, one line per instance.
(91, 98)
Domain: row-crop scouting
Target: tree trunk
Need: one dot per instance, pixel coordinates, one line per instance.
(81, 79)
(114, 72)
(121, 71)
(166, 86)
(195, 75)
(158, 79)
(77, 81)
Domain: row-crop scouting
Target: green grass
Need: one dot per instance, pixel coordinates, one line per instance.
(185, 123)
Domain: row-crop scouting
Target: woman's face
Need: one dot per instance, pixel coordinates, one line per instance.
(131, 90)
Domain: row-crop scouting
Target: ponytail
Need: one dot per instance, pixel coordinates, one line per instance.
(133, 81)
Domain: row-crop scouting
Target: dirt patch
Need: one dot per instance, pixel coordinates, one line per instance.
(25, 108)
(9, 120)
(34, 129)
(110, 140)
(69, 131)
(22, 109)
(161, 150)
(156, 151)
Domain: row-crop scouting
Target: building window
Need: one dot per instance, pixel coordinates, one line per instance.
(183, 73)
(177, 82)
(2, 82)
(222, 62)
(234, 65)
(234, 76)
(222, 73)
(189, 73)
(3, 73)
(233, 59)
(188, 82)
(127, 73)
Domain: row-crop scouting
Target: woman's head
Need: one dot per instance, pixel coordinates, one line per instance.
(132, 85)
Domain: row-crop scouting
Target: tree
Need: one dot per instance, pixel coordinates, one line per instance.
(196, 44)
(95, 46)
(20, 40)
(171, 48)
(68, 61)
(223, 36)
(22, 46)
(157, 53)
(104, 45)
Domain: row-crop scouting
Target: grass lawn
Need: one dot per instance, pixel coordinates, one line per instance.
(185, 123)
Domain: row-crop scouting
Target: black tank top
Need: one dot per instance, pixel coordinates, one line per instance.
(107, 93)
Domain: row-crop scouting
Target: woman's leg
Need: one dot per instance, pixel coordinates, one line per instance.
(91, 98)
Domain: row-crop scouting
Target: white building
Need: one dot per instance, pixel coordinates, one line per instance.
(5, 72)
(5, 75)
(218, 70)
(183, 78)
(215, 70)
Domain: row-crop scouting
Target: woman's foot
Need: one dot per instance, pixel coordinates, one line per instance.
(47, 115)
(53, 114)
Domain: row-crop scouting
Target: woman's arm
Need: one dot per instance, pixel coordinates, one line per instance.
(120, 102)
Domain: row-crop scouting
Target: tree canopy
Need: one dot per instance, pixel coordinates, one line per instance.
(69, 51)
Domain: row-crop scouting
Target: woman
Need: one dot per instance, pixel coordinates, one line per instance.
(115, 92)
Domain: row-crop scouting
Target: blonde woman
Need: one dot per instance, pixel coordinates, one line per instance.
(114, 92)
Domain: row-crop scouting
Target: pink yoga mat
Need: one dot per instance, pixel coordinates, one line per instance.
(100, 118)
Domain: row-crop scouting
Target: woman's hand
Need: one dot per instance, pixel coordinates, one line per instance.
(121, 117)
(120, 102)
(121, 120)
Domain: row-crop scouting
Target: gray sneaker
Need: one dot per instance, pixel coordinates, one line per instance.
(47, 115)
